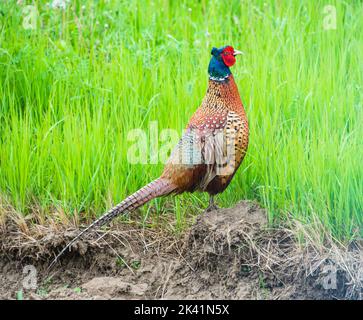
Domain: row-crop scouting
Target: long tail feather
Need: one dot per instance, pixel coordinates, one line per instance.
(157, 188)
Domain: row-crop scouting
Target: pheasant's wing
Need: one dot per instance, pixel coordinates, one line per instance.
(211, 146)
(223, 149)
(197, 144)
(188, 151)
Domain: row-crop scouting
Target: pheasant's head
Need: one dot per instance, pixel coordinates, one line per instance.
(221, 60)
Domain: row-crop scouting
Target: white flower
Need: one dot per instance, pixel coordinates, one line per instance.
(197, 43)
(61, 4)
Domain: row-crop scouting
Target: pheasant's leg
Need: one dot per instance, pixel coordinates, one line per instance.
(212, 206)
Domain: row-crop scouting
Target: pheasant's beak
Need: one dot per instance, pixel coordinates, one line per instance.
(237, 52)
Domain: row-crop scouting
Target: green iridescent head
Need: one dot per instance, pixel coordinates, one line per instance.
(221, 60)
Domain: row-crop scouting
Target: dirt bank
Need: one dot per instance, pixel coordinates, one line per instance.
(226, 254)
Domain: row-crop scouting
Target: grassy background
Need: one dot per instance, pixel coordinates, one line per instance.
(72, 89)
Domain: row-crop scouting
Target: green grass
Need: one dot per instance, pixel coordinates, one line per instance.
(72, 89)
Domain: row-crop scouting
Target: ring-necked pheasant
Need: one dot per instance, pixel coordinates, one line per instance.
(210, 151)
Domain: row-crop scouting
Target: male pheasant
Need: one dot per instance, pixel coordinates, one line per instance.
(210, 151)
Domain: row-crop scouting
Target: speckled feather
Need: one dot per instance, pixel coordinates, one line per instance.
(220, 115)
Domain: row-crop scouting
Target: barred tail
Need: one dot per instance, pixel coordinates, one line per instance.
(156, 188)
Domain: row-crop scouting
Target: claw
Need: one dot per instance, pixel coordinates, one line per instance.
(212, 206)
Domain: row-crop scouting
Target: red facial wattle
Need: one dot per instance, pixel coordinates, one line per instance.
(228, 56)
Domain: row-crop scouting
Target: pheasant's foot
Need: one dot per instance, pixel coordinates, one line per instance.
(212, 206)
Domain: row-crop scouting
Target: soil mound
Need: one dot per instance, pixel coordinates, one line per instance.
(226, 254)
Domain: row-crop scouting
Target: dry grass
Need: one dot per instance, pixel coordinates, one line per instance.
(301, 256)
(296, 257)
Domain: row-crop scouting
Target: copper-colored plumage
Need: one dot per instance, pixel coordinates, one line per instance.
(209, 153)
(221, 114)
